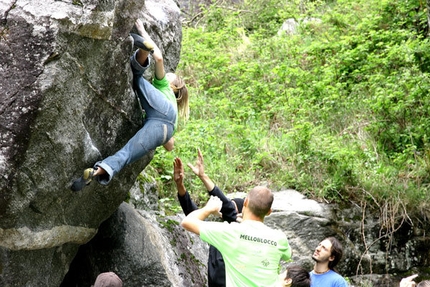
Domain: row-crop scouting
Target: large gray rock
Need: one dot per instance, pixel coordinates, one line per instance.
(144, 249)
(66, 102)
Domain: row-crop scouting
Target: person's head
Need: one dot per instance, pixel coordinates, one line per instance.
(238, 202)
(108, 279)
(177, 84)
(425, 283)
(296, 276)
(259, 201)
(328, 251)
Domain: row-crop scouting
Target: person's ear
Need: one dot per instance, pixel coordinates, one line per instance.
(331, 258)
(287, 282)
(245, 202)
(269, 212)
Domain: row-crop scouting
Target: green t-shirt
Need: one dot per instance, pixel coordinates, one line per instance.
(163, 86)
(251, 251)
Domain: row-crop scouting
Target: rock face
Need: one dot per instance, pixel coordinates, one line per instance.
(66, 102)
(144, 249)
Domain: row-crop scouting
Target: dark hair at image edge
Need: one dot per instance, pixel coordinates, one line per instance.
(300, 277)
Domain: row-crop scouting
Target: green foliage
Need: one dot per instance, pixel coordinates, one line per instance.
(250, 15)
(338, 111)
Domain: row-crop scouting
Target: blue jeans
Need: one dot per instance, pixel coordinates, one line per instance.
(157, 129)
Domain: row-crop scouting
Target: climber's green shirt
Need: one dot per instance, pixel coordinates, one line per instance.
(163, 86)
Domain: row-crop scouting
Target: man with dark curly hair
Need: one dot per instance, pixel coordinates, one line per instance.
(326, 256)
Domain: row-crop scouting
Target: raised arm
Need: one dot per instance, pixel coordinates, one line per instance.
(157, 55)
(228, 210)
(195, 220)
(199, 170)
(184, 197)
(408, 281)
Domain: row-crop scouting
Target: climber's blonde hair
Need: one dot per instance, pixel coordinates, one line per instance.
(181, 93)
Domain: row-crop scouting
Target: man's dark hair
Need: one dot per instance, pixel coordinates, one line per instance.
(336, 251)
(239, 203)
(300, 277)
(260, 200)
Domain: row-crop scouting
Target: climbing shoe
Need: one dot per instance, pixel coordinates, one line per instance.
(84, 180)
(141, 43)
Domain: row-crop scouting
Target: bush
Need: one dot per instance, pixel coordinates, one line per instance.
(339, 111)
